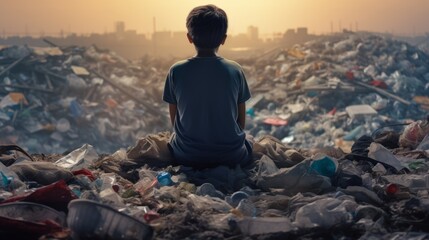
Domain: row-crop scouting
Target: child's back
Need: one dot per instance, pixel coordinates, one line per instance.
(207, 94)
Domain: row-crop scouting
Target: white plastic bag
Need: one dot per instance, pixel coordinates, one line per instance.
(80, 158)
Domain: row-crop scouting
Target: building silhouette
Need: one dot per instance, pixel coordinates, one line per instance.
(132, 45)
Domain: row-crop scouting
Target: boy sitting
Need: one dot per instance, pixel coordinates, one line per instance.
(206, 96)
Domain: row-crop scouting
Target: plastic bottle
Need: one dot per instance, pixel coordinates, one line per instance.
(107, 194)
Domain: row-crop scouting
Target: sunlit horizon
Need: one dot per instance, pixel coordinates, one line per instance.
(47, 17)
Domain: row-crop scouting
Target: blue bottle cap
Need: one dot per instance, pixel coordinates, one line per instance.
(164, 179)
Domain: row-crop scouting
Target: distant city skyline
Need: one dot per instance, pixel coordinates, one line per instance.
(251, 30)
(122, 26)
(173, 44)
(130, 44)
(48, 17)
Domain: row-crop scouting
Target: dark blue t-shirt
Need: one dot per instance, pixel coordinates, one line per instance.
(207, 91)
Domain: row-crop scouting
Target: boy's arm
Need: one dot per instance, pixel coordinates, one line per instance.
(241, 115)
(173, 112)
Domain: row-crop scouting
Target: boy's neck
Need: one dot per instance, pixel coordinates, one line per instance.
(206, 52)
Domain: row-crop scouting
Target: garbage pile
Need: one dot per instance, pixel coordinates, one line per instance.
(375, 192)
(304, 183)
(55, 99)
(332, 90)
(326, 92)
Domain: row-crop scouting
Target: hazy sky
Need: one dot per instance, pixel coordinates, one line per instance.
(85, 16)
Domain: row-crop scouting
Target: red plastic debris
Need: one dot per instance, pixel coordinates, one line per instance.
(56, 195)
(379, 84)
(392, 188)
(85, 172)
(111, 103)
(350, 75)
(150, 216)
(333, 111)
(116, 188)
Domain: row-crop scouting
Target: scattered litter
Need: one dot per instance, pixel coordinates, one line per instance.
(340, 147)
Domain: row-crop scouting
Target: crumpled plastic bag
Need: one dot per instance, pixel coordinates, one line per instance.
(276, 150)
(9, 180)
(414, 134)
(325, 213)
(80, 158)
(152, 148)
(204, 203)
(299, 178)
(41, 172)
(383, 155)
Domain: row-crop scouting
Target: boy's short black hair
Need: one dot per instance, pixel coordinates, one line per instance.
(207, 26)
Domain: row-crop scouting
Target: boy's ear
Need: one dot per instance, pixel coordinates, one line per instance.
(189, 38)
(224, 39)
